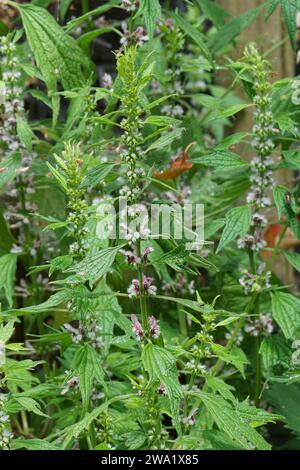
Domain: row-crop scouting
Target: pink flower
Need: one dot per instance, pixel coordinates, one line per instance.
(161, 389)
(137, 327)
(147, 285)
(134, 289)
(147, 252)
(154, 327)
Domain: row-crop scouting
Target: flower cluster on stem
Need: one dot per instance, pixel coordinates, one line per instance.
(5, 430)
(71, 165)
(131, 125)
(13, 105)
(263, 133)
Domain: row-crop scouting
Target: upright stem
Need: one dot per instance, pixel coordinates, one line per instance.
(143, 302)
(258, 370)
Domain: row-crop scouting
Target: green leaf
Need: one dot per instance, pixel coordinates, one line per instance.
(6, 239)
(213, 12)
(220, 441)
(229, 420)
(60, 263)
(256, 416)
(96, 12)
(63, 8)
(85, 40)
(57, 54)
(273, 4)
(29, 404)
(275, 350)
(76, 429)
(87, 365)
(6, 331)
(237, 223)
(279, 193)
(161, 120)
(192, 304)
(226, 113)
(109, 313)
(9, 168)
(25, 133)
(293, 258)
(208, 101)
(218, 385)
(290, 8)
(221, 160)
(32, 444)
(291, 160)
(151, 10)
(231, 140)
(234, 356)
(96, 175)
(8, 265)
(286, 400)
(161, 367)
(93, 267)
(225, 35)
(286, 312)
(41, 96)
(77, 106)
(165, 139)
(193, 33)
(292, 217)
(53, 301)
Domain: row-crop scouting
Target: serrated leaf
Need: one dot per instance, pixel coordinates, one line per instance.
(293, 258)
(56, 53)
(32, 444)
(96, 174)
(166, 139)
(231, 140)
(237, 222)
(63, 8)
(221, 160)
(275, 350)
(286, 400)
(192, 32)
(161, 367)
(60, 263)
(6, 331)
(87, 365)
(151, 10)
(53, 301)
(25, 133)
(110, 313)
(218, 385)
(6, 239)
(279, 193)
(228, 420)
(96, 12)
(8, 169)
(290, 8)
(29, 404)
(286, 312)
(226, 113)
(214, 12)
(8, 265)
(234, 356)
(41, 96)
(291, 160)
(226, 34)
(161, 121)
(93, 267)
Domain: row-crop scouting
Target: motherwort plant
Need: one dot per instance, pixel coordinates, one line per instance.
(122, 339)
